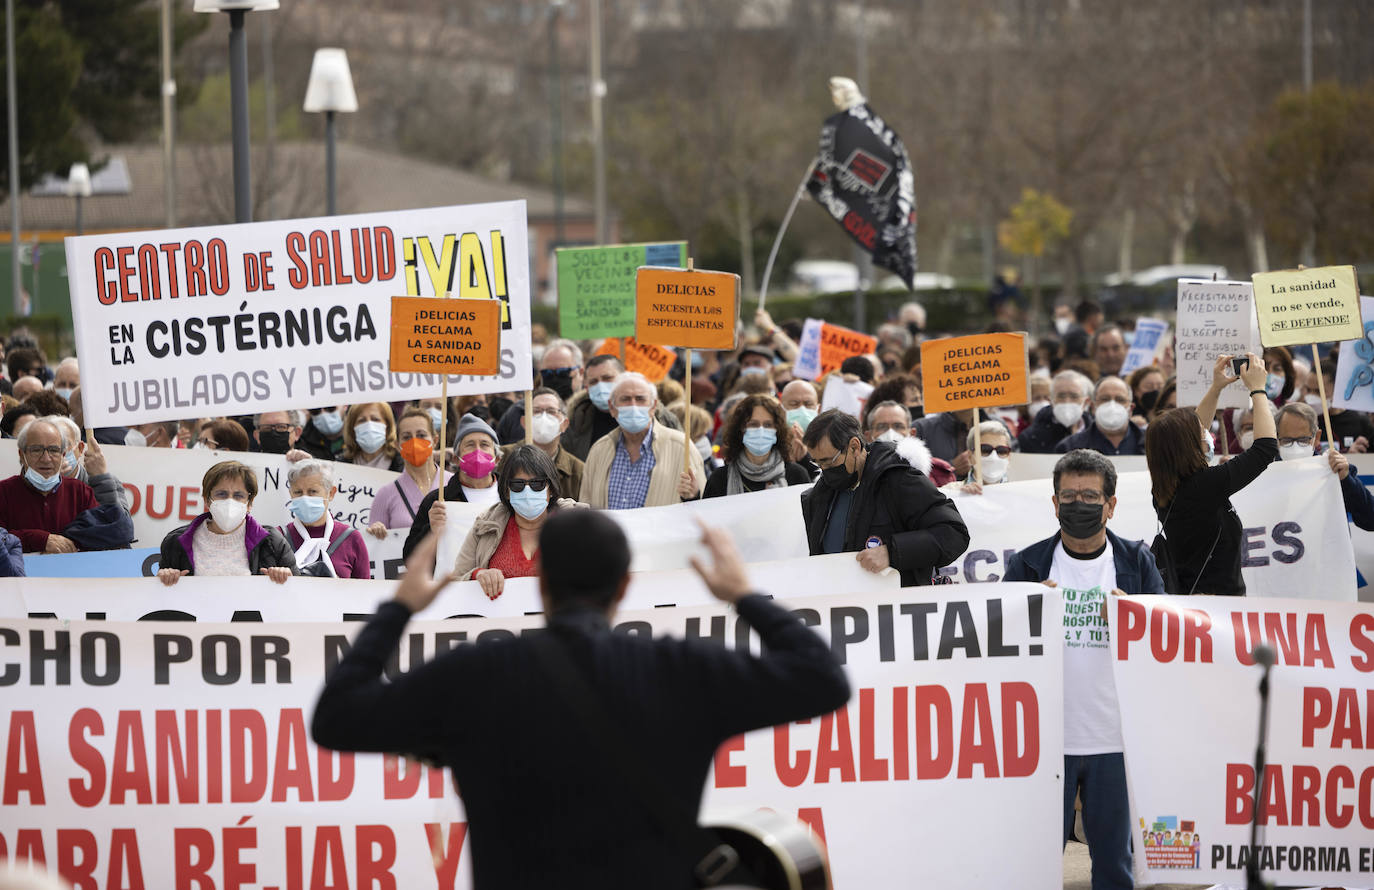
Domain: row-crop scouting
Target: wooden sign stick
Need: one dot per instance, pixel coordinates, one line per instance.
(443, 430)
(1321, 390)
(687, 413)
(977, 455)
(529, 417)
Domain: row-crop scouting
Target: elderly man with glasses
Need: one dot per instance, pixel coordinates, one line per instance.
(1088, 564)
(38, 503)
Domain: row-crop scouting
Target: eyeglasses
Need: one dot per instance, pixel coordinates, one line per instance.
(560, 372)
(534, 484)
(36, 451)
(1086, 496)
(221, 494)
(552, 412)
(1296, 440)
(1002, 450)
(275, 428)
(208, 443)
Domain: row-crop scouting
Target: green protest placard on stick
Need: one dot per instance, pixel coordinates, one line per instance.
(596, 286)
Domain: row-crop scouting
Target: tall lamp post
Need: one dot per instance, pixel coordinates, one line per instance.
(238, 93)
(556, 121)
(79, 187)
(330, 90)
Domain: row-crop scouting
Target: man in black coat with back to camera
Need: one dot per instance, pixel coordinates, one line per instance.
(871, 499)
(548, 803)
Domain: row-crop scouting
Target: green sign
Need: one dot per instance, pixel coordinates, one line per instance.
(596, 286)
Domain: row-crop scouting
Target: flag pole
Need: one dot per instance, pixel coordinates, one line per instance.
(777, 241)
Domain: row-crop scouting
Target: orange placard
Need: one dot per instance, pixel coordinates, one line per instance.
(839, 343)
(983, 371)
(430, 335)
(654, 362)
(684, 307)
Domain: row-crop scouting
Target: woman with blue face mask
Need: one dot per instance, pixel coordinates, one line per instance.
(322, 438)
(504, 539)
(324, 546)
(369, 435)
(755, 442)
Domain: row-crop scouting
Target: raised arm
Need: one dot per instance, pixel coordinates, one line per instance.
(1207, 408)
(1254, 377)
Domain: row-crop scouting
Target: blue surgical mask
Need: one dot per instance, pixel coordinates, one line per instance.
(328, 422)
(307, 509)
(752, 369)
(802, 417)
(760, 441)
(69, 461)
(436, 417)
(530, 504)
(1273, 385)
(42, 483)
(370, 436)
(600, 394)
(65, 392)
(633, 418)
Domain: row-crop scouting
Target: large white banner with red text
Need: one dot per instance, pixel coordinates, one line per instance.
(150, 754)
(1188, 691)
(236, 319)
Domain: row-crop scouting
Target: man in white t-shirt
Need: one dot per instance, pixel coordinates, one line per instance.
(1088, 563)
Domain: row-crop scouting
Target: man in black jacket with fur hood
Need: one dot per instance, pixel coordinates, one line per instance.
(873, 500)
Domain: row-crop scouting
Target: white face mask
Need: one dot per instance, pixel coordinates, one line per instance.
(1296, 451)
(228, 513)
(1247, 439)
(703, 446)
(546, 428)
(1037, 406)
(1068, 413)
(890, 436)
(1313, 399)
(994, 469)
(134, 439)
(1112, 416)
(1062, 325)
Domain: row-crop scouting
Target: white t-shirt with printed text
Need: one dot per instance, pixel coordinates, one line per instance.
(1092, 721)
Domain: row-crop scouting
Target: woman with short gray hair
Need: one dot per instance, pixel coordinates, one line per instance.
(324, 546)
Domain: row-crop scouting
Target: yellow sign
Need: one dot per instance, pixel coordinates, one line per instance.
(687, 308)
(430, 335)
(1308, 306)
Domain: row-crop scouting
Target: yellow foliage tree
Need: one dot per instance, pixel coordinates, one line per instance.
(1037, 223)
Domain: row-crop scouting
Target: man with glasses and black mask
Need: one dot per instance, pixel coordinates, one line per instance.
(276, 432)
(873, 500)
(1089, 563)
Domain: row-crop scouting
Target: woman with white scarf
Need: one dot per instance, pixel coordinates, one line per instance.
(754, 443)
(324, 546)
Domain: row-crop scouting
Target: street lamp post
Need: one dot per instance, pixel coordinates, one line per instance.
(79, 187)
(556, 122)
(330, 90)
(238, 94)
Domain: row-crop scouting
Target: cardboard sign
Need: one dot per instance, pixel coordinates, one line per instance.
(596, 286)
(838, 344)
(687, 308)
(1149, 334)
(654, 362)
(1355, 367)
(1319, 305)
(1214, 318)
(982, 371)
(291, 313)
(437, 336)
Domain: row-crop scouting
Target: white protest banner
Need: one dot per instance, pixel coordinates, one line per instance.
(327, 599)
(161, 755)
(1214, 318)
(236, 319)
(164, 486)
(808, 363)
(1355, 367)
(1041, 466)
(1295, 543)
(1187, 686)
(765, 526)
(1149, 335)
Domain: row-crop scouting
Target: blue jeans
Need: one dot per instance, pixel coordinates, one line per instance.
(1106, 815)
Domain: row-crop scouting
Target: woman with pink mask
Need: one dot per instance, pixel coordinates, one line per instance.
(477, 452)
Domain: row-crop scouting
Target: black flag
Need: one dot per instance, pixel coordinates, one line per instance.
(863, 178)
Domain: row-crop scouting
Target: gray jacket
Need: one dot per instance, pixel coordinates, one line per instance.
(107, 488)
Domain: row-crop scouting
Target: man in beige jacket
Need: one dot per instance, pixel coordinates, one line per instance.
(639, 464)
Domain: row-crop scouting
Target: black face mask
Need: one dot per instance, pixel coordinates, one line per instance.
(1146, 403)
(916, 412)
(558, 381)
(1080, 520)
(914, 328)
(481, 412)
(837, 476)
(273, 442)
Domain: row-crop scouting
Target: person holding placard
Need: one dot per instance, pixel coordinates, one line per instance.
(478, 456)
(38, 504)
(1299, 431)
(873, 500)
(225, 539)
(1353, 429)
(1112, 431)
(994, 456)
(396, 504)
(755, 441)
(1201, 546)
(640, 463)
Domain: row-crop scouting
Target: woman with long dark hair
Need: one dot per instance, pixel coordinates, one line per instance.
(1202, 533)
(755, 443)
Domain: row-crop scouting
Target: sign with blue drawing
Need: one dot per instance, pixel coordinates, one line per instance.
(1149, 332)
(1355, 367)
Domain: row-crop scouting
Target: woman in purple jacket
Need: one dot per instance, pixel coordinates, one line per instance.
(225, 540)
